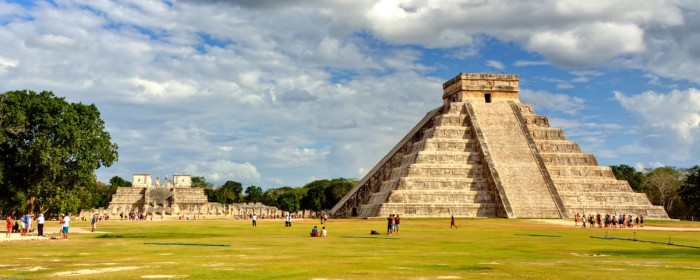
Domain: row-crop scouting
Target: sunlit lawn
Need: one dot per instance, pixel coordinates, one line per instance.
(424, 249)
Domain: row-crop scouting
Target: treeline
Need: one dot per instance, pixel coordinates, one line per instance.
(676, 189)
(315, 196)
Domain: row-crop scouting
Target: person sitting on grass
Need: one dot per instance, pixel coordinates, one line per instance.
(314, 232)
(324, 233)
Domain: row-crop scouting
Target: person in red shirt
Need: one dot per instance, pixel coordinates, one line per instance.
(8, 226)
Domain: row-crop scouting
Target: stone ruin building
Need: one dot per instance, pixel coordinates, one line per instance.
(485, 154)
(176, 197)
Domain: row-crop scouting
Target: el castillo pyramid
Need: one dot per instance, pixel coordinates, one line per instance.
(485, 154)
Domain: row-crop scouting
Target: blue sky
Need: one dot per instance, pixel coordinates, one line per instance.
(274, 93)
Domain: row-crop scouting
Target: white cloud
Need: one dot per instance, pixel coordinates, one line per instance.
(268, 86)
(552, 101)
(495, 64)
(672, 118)
(523, 63)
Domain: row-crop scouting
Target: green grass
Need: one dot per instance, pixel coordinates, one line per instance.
(424, 249)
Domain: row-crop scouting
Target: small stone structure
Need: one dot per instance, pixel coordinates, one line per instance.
(484, 154)
(176, 197)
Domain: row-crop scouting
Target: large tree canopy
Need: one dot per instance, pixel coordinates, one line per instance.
(49, 150)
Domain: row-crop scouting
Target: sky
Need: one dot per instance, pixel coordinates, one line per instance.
(281, 93)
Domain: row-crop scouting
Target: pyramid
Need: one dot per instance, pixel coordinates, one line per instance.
(485, 154)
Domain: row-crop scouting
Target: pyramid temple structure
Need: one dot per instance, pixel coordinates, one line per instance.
(485, 154)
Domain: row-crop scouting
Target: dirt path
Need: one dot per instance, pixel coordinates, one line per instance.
(48, 232)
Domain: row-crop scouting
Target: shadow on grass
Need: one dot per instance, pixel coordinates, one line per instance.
(457, 267)
(654, 253)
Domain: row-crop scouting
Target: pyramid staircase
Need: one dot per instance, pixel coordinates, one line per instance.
(483, 154)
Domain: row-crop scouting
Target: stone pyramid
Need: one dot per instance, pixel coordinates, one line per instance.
(484, 154)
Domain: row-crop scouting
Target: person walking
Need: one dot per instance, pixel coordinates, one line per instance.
(93, 222)
(255, 220)
(288, 220)
(452, 222)
(8, 226)
(40, 224)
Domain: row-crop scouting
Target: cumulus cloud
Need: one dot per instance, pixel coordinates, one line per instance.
(495, 64)
(264, 87)
(553, 101)
(671, 121)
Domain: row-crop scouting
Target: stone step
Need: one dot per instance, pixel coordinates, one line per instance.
(593, 172)
(456, 170)
(441, 209)
(441, 183)
(433, 144)
(448, 132)
(557, 146)
(451, 120)
(547, 133)
(435, 156)
(604, 198)
(583, 185)
(441, 196)
(536, 213)
(536, 121)
(570, 159)
(456, 108)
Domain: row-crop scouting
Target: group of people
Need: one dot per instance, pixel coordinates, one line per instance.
(609, 220)
(23, 225)
(392, 224)
(316, 233)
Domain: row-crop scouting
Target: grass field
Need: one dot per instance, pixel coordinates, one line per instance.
(424, 249)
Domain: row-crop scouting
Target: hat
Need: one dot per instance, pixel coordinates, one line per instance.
(41, 214)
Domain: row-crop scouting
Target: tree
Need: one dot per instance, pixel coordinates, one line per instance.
(231, 191)
(288, 202)
(253, 194)
(200, 182)
(270, 195)
(314, 199)
(664, 182)
(631, 175)
(690, 191)
(117, 181)
(337, 190)
(49, 150)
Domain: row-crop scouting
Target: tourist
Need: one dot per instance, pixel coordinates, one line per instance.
(641, 221)
(65, 225)
(255, 220)
(288, 220)
(452, 222)
(27, 224)
(314, 232)
(21, 227)
(583, 220)
(8, 226)
(397, 221)
(40, 224)
(93, 222)
(389, 224)
(636, 221)
(621, 221)
(321, 217)
(576, 220)
(324, 233)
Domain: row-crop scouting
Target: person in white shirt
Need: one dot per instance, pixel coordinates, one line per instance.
(64, 228)
(40, 224)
